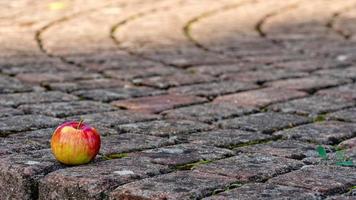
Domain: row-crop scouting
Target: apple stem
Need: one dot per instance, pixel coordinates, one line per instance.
(80, 123)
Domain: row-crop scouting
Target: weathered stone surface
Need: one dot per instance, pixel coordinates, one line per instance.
(107, 95)
(114, 118)
(36, 78)
(328, 132)
(220, 69)
(263, 75)
(308, 65)
(264, 122)
(157, 104)
(20, 173)
(86, 84)
(27, 141)
(312, 105)
(139, 72)
(289, 149)
(173, 80)
(274, 58)
(115, 62)
(13, 124)
(36, 65)
(181, 154)
(10, 85)
(342, 197)
(8, 111)
(349, 72)
(322, 179)
(177, 185)
(228, 138)
(251, 167)
(213, 89)
(266, 192)
(164, 127)
(208, 112)
(65, 109)
(347, 91)
(129, 142)
(310, 83)
(349, 154)
(94, 181)
(261, 97)
(104, 130)
(35, 97)
(348, 144)
(348, 115)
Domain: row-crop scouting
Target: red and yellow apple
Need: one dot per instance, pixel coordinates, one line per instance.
(75, 143)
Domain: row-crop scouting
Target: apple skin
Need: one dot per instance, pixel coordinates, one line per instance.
(75, 143)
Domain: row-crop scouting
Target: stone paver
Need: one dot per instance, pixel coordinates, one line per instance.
(309, 83)
(20, 173)
(260, 98)
(264, 122)
(128, 142)
(86, 84)
(310, 64)
(289, 148)
(33, 66)
(35, 97)
(348, 115)
(164, 127)
(192, 99)
(8, 111)
(328, 132)
(228, 138)
(157, 104)
(26, 141)
(264, 192)
(138, 72)
(263, 75)
(13, 124)
(345, 73)
(208, 112)
(113, 118)
(44, 78)
(65, 109)
(178, 79)
(313, 105)
(213, 89)
(220, 69)
(107, 95)
(181, 154)
(81, 183)
(347, 91)
(318, 179)
(10, 85)
(177, 185)
(251, 167)
(348, 144)
(342, 197)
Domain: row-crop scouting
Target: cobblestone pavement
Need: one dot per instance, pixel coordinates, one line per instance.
(194, 99)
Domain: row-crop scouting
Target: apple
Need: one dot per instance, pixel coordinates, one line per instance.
(75, 143)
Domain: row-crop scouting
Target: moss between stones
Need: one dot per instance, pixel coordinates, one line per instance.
(320, 118)
(227, 188)
(193, 165)
(254, 142)
(115, 156)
